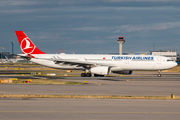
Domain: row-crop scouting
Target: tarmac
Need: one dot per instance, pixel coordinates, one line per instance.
(98, 109)
(87, 109)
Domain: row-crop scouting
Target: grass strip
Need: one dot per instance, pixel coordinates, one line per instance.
(46, 82)
(87, 96)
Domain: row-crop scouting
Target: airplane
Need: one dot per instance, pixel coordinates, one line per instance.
(98, 65)
(10, 60)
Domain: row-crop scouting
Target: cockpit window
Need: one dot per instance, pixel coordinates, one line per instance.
(170, 60)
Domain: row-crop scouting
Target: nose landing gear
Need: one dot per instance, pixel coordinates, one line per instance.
(159, 75)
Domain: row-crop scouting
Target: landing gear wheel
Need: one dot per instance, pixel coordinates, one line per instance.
(89, 74)
(83, 74)
(159, 75)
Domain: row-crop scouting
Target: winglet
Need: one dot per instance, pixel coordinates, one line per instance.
(26, 45)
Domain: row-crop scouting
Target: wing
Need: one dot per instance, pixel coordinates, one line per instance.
(84, 63)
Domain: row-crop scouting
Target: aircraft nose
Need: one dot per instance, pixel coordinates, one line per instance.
(175, 64)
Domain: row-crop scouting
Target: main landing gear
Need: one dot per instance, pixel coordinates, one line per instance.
(159, 75)
(86, 74)
(89, 75)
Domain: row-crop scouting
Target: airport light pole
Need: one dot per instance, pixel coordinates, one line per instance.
(1, 54)
(12, 47)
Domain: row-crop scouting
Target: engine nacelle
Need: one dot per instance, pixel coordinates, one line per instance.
(101, 70)
(124, 72)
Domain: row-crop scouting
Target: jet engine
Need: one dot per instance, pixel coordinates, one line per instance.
(101, 70)
(124, 72)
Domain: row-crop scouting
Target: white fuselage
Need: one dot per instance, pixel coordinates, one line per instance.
(119, 62)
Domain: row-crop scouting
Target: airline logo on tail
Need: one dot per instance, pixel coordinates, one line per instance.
(27, 46)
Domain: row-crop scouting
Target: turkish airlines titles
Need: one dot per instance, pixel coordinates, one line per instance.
(146, 58)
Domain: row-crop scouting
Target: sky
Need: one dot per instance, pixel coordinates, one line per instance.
(91, 26)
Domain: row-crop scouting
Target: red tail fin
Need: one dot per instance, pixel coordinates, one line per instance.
(26, 45)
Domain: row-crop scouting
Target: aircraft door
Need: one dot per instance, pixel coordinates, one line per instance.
(158, 60)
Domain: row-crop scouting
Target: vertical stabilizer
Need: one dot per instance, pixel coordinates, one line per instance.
(26, 45)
